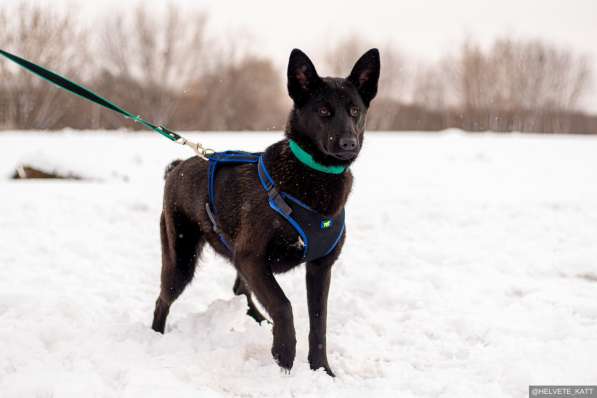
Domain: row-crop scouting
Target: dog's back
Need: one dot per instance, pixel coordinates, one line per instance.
(171, 167)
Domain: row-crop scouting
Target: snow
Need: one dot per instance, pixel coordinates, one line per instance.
(469, 269)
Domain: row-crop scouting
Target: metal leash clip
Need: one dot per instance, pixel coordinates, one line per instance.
(203, 153)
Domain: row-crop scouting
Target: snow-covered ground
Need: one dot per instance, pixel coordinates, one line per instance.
(470, 270)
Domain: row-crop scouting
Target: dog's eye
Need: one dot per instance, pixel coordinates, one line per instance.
(354, 111)
(324, 111)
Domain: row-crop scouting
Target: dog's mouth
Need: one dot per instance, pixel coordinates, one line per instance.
(345, 155)
(340, 155)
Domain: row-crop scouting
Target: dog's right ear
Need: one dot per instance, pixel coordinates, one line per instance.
(302, 77)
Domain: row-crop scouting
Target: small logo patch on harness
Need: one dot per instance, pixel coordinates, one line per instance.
(326, 223)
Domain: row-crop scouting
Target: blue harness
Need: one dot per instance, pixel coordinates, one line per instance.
(319, 234)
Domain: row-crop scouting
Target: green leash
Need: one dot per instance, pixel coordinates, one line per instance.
(89, 95)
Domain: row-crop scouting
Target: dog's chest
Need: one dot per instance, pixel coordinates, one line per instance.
(285, 249)
(312, 235)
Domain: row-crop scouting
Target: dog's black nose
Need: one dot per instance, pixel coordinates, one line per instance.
(348, 143)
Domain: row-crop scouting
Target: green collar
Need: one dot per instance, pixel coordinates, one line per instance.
(306, 159)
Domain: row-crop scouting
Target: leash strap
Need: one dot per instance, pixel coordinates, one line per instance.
(89, 95)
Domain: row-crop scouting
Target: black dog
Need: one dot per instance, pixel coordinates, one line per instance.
(326, 125)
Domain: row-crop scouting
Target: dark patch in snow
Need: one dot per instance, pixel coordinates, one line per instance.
(588, 277)
(25, 172)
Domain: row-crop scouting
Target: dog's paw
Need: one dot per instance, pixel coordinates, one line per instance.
(284, 353)
(284, 345)
(329, 371)
(324, 365)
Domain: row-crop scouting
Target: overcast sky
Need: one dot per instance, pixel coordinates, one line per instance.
(422, 28)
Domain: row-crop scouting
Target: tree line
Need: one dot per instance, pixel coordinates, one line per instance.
(166, 67)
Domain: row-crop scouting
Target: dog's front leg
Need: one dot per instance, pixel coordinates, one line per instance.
(262, 283)
(319, 273)
(318, 285)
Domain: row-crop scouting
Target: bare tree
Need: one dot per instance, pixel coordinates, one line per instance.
(244, 95)
(147, 59)
(50, 38)
(430, 87)
(515, 83)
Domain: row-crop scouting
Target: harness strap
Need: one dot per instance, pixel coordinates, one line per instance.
(270, 187)
(264, 177)
(215, 159)
(216, 227)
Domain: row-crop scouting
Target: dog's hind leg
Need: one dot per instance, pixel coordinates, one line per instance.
(182, 242)
(239, 288)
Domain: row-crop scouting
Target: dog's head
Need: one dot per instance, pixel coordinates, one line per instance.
(328, 116)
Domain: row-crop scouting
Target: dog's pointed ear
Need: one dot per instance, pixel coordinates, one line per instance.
(365, 75)
(302, 77)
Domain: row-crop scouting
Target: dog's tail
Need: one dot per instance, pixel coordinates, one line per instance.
(171, 167)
